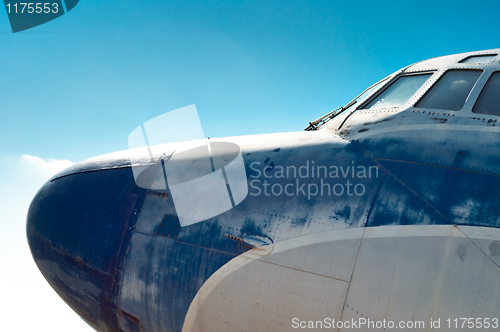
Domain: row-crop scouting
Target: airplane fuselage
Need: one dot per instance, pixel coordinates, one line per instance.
(381, 214)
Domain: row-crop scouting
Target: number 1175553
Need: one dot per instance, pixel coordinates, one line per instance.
(471, 323)
(32, 8)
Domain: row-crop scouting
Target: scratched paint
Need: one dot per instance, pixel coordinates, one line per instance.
(409, 246)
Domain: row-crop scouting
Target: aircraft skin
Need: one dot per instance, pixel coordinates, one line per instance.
(414, 235)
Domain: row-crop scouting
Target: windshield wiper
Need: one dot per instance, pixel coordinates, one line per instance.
(325, 118)
(316, 124)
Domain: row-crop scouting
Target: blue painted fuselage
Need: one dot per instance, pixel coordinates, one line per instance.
(116, 253)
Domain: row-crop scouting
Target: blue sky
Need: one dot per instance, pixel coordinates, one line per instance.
(76, 87)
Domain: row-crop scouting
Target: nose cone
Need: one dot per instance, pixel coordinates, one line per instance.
(78, 232)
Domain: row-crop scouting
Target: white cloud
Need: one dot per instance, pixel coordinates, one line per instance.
(22, 286)
(21, 177)
(42, 168)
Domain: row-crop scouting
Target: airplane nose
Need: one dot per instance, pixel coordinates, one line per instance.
(78, 228)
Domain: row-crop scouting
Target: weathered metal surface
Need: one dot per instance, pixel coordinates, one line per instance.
(76, 232)
(162, 276)
(421, 242)
(421, 273)
(263, 296)
(129, 323)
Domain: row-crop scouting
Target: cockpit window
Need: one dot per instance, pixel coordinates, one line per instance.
(399, 92)
(479, 58)
(369, 91)
(450, 91)
(489, 99)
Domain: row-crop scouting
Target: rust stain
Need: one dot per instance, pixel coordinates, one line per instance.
(157, 193)
(233, 237)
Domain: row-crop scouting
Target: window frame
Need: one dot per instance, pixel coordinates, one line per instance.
(486, 80)
(389, 84)
(466, 106)
(461, 62)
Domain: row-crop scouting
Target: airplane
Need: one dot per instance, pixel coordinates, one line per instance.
(382, 214)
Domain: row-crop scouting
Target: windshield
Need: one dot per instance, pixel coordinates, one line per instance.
(451, 91)
(314, 125)
(364, 94)
(399, 92)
